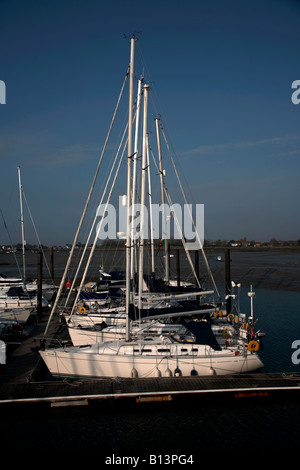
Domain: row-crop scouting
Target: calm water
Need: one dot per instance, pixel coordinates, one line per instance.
(180, 428)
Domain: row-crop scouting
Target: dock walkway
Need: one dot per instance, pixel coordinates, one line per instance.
(70, 392)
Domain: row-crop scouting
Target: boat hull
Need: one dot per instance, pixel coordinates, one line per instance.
(20, 315)
(85, 362)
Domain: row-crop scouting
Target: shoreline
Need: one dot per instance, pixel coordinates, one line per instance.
(174, 247)
(261, 267)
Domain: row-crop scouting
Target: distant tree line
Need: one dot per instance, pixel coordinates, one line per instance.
(173, 243)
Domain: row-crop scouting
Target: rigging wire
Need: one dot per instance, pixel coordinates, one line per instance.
(176, 220)
(186, 202)
(98, 231)
(96, 216)
(168, 196)
(86, 205)
(156, 102)
(107, 179)
(36, 233)
(96, 203)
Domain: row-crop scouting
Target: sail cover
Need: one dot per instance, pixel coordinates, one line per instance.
(203, 333)
(93, 295)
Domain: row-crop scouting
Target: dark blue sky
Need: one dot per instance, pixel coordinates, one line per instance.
(220, 75)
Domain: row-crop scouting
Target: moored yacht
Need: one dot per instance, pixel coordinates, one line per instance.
(153, 356)
(194, 350)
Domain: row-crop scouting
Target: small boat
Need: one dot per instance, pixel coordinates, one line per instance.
(7, 282)
(112, 316)
(17, 297)
(19, 315)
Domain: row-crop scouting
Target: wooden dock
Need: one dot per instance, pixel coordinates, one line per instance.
(77, 392)
(20, 383)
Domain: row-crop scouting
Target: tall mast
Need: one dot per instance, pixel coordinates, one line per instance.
(161, 172)
(142, 223)
(22, 224)
(128, 238)
(135, 157)
(150, 207)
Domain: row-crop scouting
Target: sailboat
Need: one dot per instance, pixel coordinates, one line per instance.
(192, 349)
(90, 318)
(18, 295)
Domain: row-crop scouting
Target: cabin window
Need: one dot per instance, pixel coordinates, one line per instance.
(163, 350)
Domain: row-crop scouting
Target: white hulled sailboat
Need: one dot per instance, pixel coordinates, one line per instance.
(192, 350)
